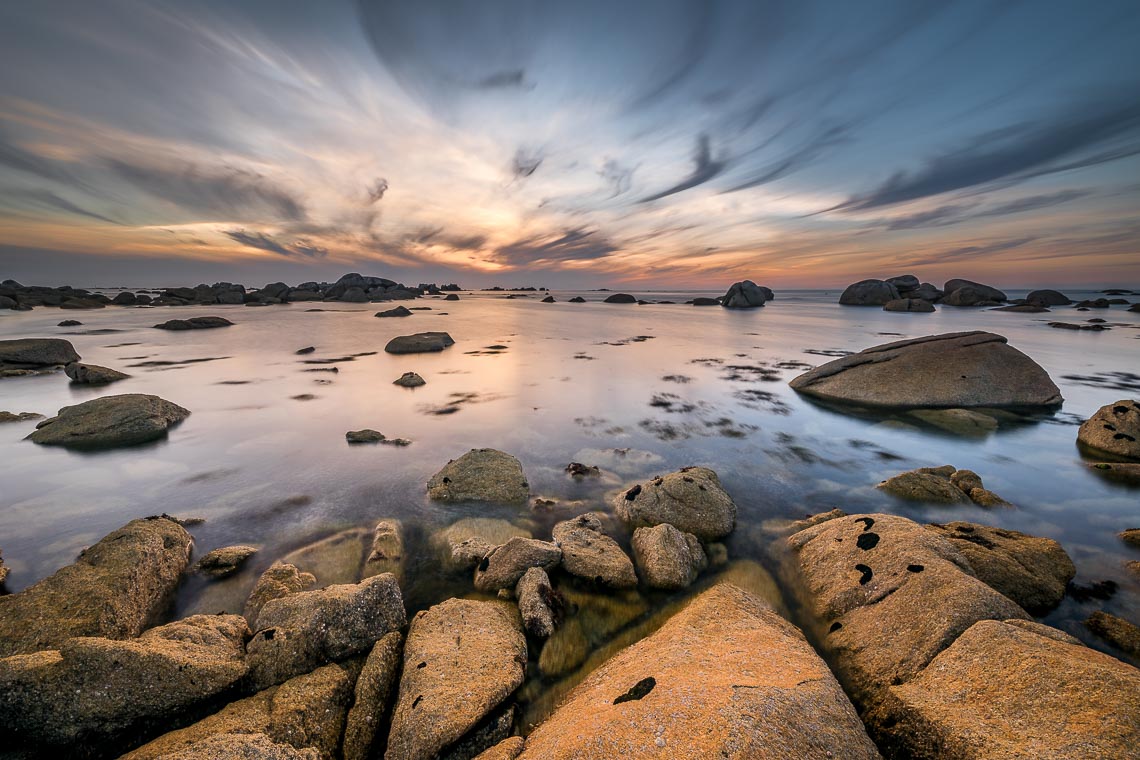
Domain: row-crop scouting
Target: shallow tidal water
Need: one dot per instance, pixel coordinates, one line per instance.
(635, 390)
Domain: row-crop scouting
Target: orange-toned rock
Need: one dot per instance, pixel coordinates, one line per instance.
(507, 749)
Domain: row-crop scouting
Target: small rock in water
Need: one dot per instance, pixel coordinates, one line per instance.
(941, 485)
(19, 416)
(668, 558)
(399, 311)
(621, 298)
(913, 305)
(548, 299)
(92, 374)
(419, 343)
(221, 563)
(589, 553)
(70, 323)
(305, 350)
(364, 436)
(195, 323)
(481, 475)
(691, 499)
(109, 422)
(1131, 537)
(1114, 429)
(409, 380)
(579, 470)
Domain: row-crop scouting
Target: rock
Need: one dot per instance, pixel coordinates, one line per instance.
(579, 470)
(965, 422)
(745, 295)
(869, 293)
(277, 581)
(110, 421)
(925, 291)
(577, 299)
(1114, 429)
(70, 323)
(621, 298)
(94, 689)
(240, 747)
(464, 543)
(3, 571)
(481, 475)
(505, 565)
(883, 596)
(668, 558)
(387, 553)
(548, 299)
(462, 659)
(409, 380)
(195, 323)
(725, 677)
(982, 292)
(221, 563)
(451, 297)
(1004, 690)
(1120, 633)
(1029, 570)
(539, 605)
(114, 589)
(374, 692)
(904, 282)
(1128, 473)
(92, 374)
(335, 559)
(19, 417)
(1047, 298)
(399, 311)
(304, 712)
(1023, 308)
(963, 370)
(34, 353)
(941, 485)
(691, 499)
(909, 304)
(307, 629)
(507, 749)
(1131, 537)
(592, 618)
(589, 553)
(364, 436)
(419, 343)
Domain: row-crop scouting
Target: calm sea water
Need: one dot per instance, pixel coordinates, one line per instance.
(264, 464)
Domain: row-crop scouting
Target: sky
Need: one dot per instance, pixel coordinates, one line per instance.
(637, 143)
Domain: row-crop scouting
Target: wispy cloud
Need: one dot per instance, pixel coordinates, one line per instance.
(265, 242)
(705, 168)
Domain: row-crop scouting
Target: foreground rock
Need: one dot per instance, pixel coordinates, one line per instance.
(277, 581)
(589, 553)
(224, 562)
(409, 380)
(462, 659)
(1114, 429)
(668, 558)
(725, 677)
(691, 499)
(114, 590)
(745, 295)
(304, 712)
(869, 293)
(34, 354)
(92, 374)
(91, 690)
(304, 630)
(241, 747)
(1031, 571)
(420, 343)
(195, 323)
(481, 475)
(375, 690)
(505, 565)
(111, 421)
(942, 485)
(539, 606)
(967, 369)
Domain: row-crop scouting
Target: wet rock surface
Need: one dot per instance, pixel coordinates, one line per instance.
(589, 553)
(691, 499)
(481, 475)
(333, 560)
(279, 580)
(419, 343)
(1114, 429)
(375, 690)
(942, 485)
(539, 605)
(92, 374)
(503, 566)
(409, 380)
(668, 558)
(461, 545)
(109, 422)
(1119, 632)
(36, 353)
(224, 562)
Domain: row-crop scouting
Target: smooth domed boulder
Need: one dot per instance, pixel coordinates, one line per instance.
(916, 305)
(304, 712)
(462, 659)
(1114, 429)
(399, 311)
(92, 374)
(1047, 298)
(375, 690)
(114, 589)
(34, 353)
(409, 380)
(548, 299)
(110, 421)
(224, 562)
(481, 475)
(538, 603)
(451, 297)
(307, 629)
(195, 323)
(691, 499)
(967, 369)
(419, 343)
(745, 295)
(1030, 570)
(277, 581)
(869, 293)
(505, 565)
(925, 291)
(666, 557)
(904, 282)
(461, 545)
(589, 553)
(93, 689)
(577, 299)
(1014, 689)
(724, 677)
(972, 293)
(621, 298)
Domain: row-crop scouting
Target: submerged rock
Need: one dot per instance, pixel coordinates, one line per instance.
(963, 370)
(224, 562)
(668, 558)
(505, 565)
(577, 299)
(419, 343)
(110, 421)
(725, 677)
(387, 552)
(367, 435)
(92, 374)
(539, 605)
(589, 553)
(869, 293)
(745, 295)
(335, 559)
(1123, 472)
(195, 323)
(964, 422)
(1114, 429)
(373, 697)
(481, 475)
(941, 485)
(691, 499)
(114, 589)
(19, 417)
(461, 545)
(409, 380)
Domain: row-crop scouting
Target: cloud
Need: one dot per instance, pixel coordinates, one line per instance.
(376, 192)
(264, 242)
(618, 177)
(956, 213)
(15, 157)
(973, 251)
(1034, 202)
(704, 170)
(51, 200)
(502, 80)
(571, 245)
(525, 163)
(795, 160)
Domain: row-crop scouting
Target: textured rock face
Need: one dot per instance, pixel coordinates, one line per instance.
(113, 589)
(1031, 571)
(420, 343)
(241, 747)
(224, 562)
(1006, 691)
(374, 692)
(387, 552)
(409, 380)
(1114, 429)
(589, 553)
(36, 352)
(909, 304)
(505, 565)
(745, 295)
(1048, 298)
(726, 677)
(973, 295)
(691, 499)
(984, 291)
(304, 712)
(930, 485)
(969, 369)
(1119, 632)
(538, 603)
(333, 560)
(92, 374)
(507, 749)
(869, 293)
(277, 581)
(302, 631)
(668, 558)
(110, 421)
(462, 659)
(92, 689)
(481, 475)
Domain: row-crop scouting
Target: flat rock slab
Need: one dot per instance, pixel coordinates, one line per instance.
(399, 311)
(195, 323)
(962, 370)
(420, 343)
(113, 589)
(37, 352)
(481, 475)
(92, 374)
(726, 677)
(1114, 429)
(111, 421)
(462, 659)
(691, 500)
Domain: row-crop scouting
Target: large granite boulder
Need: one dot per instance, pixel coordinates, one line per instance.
(462, 660)
(114, 589)
(726, 677)
(420, 343)
(481, 475)
(904, 282)
(620, 298)
(110, 421)
(668, 558)
(92, 374)
(974, 292)
(36, 353)
(91, 690)
(914, 305)
(745, 295)
(691, 499)
(1114, 429)
(589, 553)
(967, 369)
(869, 293)
(1047, 298)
